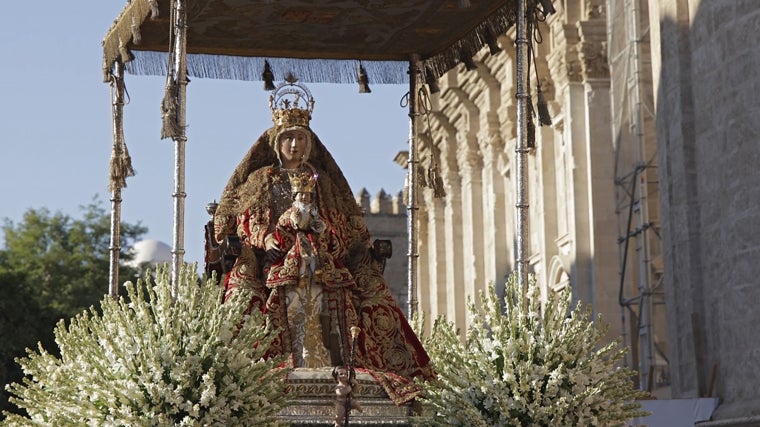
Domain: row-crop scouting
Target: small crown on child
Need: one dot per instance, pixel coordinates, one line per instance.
(285, 103)
(303, 183)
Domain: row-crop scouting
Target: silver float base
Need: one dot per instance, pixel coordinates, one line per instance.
(315, 401)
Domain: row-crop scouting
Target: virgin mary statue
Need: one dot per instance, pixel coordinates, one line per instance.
(345, 287)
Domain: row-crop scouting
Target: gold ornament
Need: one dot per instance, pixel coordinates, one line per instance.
(291, 103)
(303, 182)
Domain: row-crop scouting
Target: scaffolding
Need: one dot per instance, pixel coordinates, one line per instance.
(641, 292)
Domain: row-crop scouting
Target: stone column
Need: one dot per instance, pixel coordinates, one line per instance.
(453, 232)
(471, 165)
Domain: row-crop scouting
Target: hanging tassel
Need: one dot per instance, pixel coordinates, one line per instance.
(530, 127)
(464, 4)
(107, 73)
(363, 80)
(135, 28)
(493, 45)
(268, 76)
(547, 7)
(169, 126)
(466, 59)
(153, 8)
(421, 176)
(436, 182)
(120, 166)
(434, 179)
(125, 54)
(544, 118)
(431, 81)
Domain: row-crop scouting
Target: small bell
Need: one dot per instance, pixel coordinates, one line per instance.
(268, 76)
(363, 80)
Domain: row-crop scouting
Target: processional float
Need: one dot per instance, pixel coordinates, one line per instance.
(327, 41)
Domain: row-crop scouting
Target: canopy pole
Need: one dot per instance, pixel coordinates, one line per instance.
(521, 148)
(179, 195)
(117, 125)
(414, 72)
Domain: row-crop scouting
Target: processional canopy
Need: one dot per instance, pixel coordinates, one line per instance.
(318, 40)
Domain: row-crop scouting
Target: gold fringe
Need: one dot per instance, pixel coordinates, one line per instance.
(497, 23)
(249, 68)
(122, 31)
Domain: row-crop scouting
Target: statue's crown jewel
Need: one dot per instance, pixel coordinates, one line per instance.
(291, 103)
(303, 182)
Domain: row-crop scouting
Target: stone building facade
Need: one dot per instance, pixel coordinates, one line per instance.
(386, 219)
(641, 191)
(468, 236)
(705, 62)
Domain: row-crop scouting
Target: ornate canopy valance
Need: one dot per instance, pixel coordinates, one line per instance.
(318, 40)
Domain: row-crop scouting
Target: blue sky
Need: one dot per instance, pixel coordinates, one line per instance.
(55, 125)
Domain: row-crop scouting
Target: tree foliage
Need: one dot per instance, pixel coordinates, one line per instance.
(53, 266)
(528, 363)
(64, 261)
(157, 359)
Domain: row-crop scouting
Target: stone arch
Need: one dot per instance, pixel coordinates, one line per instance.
(558, 278)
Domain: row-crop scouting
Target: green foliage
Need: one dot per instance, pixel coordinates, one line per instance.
(15, 336)
(64, 261)
(52, 267)
(154, 360)
(527, 364)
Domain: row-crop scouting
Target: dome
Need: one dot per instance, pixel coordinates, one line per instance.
(150, 251)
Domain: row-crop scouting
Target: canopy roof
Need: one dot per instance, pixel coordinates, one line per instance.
(319, 40)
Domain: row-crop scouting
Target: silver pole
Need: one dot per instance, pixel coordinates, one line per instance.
(646, 332)
(117, 123)
(522, 147)
(179, 195)
(411, 170)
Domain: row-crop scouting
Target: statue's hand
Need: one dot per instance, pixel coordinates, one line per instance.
(273, 255)
(270, 242)
(272, 247)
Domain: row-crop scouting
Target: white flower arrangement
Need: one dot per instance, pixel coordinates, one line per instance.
(155, 360)
(527, 363)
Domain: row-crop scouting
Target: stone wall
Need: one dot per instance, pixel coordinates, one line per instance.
(708, 116)
(385, 216)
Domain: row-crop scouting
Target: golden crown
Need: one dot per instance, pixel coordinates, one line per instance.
(303, 183)
(285, 103)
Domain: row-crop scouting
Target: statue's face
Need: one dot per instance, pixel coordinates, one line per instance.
(342, 374)
(303, 197)
(292, 147)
